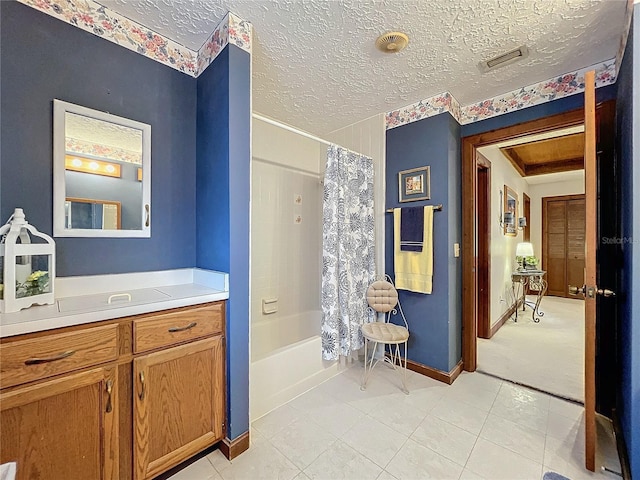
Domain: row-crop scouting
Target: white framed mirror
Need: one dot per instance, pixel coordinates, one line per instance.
(101, 174)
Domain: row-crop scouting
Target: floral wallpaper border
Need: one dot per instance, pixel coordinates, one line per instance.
(92, 17)
(535, 94)
(81, 147)
(103, 22)
(232, 29)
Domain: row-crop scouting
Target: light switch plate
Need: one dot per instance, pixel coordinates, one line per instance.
(456, 250)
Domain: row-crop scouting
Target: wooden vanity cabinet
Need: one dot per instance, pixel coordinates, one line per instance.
(137, 396)
(63, 428)
(178, 405)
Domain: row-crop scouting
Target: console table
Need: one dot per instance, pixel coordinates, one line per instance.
(533, 279)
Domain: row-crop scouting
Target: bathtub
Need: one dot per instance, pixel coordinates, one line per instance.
(281, 374)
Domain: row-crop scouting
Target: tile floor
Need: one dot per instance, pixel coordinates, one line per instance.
(478, 428)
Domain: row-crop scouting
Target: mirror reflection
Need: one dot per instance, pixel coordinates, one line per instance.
(101, 185)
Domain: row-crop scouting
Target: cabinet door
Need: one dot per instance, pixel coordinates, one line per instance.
(178, 404)
(64, 429)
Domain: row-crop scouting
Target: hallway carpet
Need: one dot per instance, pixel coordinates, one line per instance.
(548, 355)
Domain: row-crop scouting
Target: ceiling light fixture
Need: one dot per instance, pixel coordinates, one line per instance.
(504, 59)
(392, 42)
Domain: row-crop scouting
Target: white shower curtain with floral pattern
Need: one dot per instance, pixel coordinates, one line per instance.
(348, 250)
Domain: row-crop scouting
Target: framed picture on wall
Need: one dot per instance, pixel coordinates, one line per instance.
(510, 211)
(414, 184)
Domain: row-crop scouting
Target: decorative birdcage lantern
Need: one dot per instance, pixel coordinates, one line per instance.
(28, 265)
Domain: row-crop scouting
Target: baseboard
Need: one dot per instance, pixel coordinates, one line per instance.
(232, 448)
(445, 377)
(503, 318)
(621, 445)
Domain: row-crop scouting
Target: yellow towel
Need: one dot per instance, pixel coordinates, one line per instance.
(414, 270)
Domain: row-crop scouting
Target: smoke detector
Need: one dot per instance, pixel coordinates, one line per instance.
(504, 59)
(392, 42)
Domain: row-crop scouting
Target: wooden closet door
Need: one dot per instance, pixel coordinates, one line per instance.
(563, 232)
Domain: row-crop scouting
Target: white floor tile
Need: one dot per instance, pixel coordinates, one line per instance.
(512, 395)
(565, 408)
(525, 441)
(340, 461)
(274, 422)
(469, 475)
(386, 476)
(562, 427)
(460, 414)
(303, 441)
(374, 440)
(566, 457)
(201, 469)
(403, 412)
(262, 462)
(219, 461)
(414, 461)
(522, 412)
(448, 440)
(471, 394)
(347, 390)
(337, 418)
(301, 476)
(331, 432)
(495, 462)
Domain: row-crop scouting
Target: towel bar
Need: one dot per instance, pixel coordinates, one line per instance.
(436, 208)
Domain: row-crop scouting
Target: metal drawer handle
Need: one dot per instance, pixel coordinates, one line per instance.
(142, 392)
(109, 388)
(60, 356)
(182, 329)
(147, 221)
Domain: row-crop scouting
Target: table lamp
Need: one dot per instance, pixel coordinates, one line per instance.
(523, 250)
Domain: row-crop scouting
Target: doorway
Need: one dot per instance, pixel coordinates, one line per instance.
(529, 338)
(471, 265)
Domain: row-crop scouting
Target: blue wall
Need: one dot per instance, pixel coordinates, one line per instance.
(223, 212)
(628, 136)
(434, 320)
(42, 58)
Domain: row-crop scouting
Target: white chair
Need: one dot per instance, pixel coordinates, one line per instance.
(382, 297)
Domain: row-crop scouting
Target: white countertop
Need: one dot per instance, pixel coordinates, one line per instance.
(85, 299)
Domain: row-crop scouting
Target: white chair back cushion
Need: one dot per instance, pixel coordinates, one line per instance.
(382, 296)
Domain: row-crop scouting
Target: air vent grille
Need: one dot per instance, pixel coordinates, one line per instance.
(504, 59)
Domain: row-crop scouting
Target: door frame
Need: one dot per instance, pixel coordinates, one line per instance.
(484, 249)
(470, 262)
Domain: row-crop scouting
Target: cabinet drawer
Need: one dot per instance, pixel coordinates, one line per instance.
(24, 361)
(167, 329)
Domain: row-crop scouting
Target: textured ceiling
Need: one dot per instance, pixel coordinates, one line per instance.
(99, 132)
(315, 65)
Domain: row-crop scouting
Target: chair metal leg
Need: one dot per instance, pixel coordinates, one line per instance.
(367, 371)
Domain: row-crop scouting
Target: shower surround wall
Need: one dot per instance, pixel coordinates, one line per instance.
(286, 262)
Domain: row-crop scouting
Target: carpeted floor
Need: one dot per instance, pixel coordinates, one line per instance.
(548, 355)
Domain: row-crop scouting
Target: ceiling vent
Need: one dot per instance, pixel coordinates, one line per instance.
(392, 42)
(504, 59)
